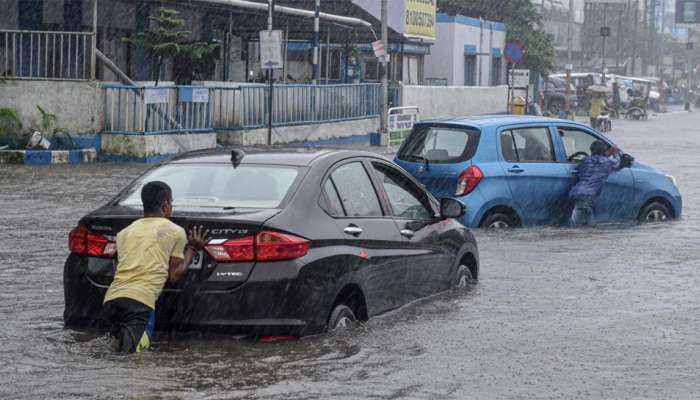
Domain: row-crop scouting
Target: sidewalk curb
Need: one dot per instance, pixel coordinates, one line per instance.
(43, 157)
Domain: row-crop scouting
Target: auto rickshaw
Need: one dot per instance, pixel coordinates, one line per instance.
(635, 94)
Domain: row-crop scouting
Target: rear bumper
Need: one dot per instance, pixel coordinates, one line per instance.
(267, 304)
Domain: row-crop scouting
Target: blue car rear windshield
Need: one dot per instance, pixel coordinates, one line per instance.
(219, 185)
(438, 144)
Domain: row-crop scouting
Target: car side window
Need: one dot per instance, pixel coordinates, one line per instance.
(527, 145)
(355, 190)
(406, 199)
(575, 141)
(331, 200)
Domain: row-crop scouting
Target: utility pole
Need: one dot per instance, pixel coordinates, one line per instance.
(634, 37)
(93, 55)
(270, 75)
(569, 66)
(384, 98)
(314, 67)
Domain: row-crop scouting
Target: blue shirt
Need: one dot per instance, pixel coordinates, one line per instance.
(593, 171)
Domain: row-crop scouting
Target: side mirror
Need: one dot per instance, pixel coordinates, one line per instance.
(451, 208)
(626, 160)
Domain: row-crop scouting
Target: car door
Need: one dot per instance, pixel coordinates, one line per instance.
(365, 225)
(537, 181)
(428, 260)
(617, 196)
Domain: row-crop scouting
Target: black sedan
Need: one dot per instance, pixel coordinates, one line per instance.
(301, 242)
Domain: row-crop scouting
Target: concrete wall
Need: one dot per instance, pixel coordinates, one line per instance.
(300, 133)
(455, 101)
(145, 146)
(446, 59)
(77, 105)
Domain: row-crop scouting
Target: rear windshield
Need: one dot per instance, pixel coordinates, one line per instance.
(219, 186)
(439, 145)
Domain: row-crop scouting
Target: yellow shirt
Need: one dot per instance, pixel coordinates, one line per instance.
(144, 249)
(597, 105)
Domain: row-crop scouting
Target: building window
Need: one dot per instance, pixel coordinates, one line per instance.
(470, 70)
(371, 70)
(330, 64)
(496, 66)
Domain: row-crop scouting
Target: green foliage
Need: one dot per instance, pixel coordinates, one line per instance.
(523, 22)
(167, 39)
(10, 128)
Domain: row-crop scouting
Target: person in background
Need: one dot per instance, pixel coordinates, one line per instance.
(150, 251)
(593, 172)
(597, 106)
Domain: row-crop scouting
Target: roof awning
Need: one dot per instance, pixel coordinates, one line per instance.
(292, 11)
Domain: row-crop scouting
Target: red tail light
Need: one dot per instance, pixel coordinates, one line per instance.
(468, 180)
(82, 241)
(265, 246)
(275, 246)
(233, 250)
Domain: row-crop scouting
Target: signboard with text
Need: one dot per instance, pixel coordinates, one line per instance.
(155, 96)
(687, 11)
(271, 49)
(519, 78)
(419, 19)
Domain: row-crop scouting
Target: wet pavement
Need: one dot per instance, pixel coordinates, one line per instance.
(601, 313)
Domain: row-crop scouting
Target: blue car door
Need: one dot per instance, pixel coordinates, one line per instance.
(537, 181)
(616, 200)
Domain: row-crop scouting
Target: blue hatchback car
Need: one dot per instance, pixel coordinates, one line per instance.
(515, 171)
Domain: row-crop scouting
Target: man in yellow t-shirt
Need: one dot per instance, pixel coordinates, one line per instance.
(150, 251)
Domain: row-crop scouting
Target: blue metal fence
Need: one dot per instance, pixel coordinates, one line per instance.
(146, 110)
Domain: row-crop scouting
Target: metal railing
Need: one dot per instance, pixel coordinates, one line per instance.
(46, 54)
(129, 109)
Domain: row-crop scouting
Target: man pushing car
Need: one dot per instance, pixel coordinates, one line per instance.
(150, 251)
(593, 171)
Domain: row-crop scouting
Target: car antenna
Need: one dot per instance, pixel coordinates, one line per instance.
(237, 157)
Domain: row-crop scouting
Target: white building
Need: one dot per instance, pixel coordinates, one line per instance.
(467, 52)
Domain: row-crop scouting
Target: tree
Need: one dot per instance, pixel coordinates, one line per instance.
(523, 22)
(167, 40)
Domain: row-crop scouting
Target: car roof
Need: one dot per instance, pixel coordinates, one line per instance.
(295, 156)
(482, 121)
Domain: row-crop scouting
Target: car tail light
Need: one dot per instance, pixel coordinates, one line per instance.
(233, 250)
(82, 241)
(275, 246)
(265, 246)
(468, 180)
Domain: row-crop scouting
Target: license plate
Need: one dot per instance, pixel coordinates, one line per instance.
(197, 260)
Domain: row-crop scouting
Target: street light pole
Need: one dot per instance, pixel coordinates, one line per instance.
(314, 67)
(384, 98)
(569, 66)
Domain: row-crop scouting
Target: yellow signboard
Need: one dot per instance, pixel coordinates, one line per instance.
(419, 19)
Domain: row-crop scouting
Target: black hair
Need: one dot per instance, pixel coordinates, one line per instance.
(154, 194)
(598, 148)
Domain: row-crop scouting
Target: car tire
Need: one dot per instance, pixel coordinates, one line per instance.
(342, 318)
(463, 278)
(655, 212)
(498, 220)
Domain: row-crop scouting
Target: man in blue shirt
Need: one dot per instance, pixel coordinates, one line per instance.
(593, 171)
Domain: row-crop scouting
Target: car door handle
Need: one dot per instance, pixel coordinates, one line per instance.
(574, 172)
(407, 233)
(353, 230)
(515, 169)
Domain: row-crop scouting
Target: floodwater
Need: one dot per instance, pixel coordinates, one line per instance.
(610, 312)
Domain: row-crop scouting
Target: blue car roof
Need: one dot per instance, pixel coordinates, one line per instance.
(480, 121)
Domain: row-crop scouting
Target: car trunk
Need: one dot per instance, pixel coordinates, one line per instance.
(210, 274)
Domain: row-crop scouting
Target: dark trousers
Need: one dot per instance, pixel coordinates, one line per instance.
(131, 323)
(582, 212)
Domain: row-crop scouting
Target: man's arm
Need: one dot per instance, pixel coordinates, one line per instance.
(614, 157)
(178, 266)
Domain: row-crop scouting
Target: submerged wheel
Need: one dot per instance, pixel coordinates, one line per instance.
(498, 220)
(655, 212)
(342, 318)
(463, 278)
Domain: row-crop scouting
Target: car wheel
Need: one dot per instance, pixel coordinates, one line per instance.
(655, 212)
(342, 318)
(463, 278)
(498, 220)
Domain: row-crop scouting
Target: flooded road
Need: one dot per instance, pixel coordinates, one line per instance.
(610, 312)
